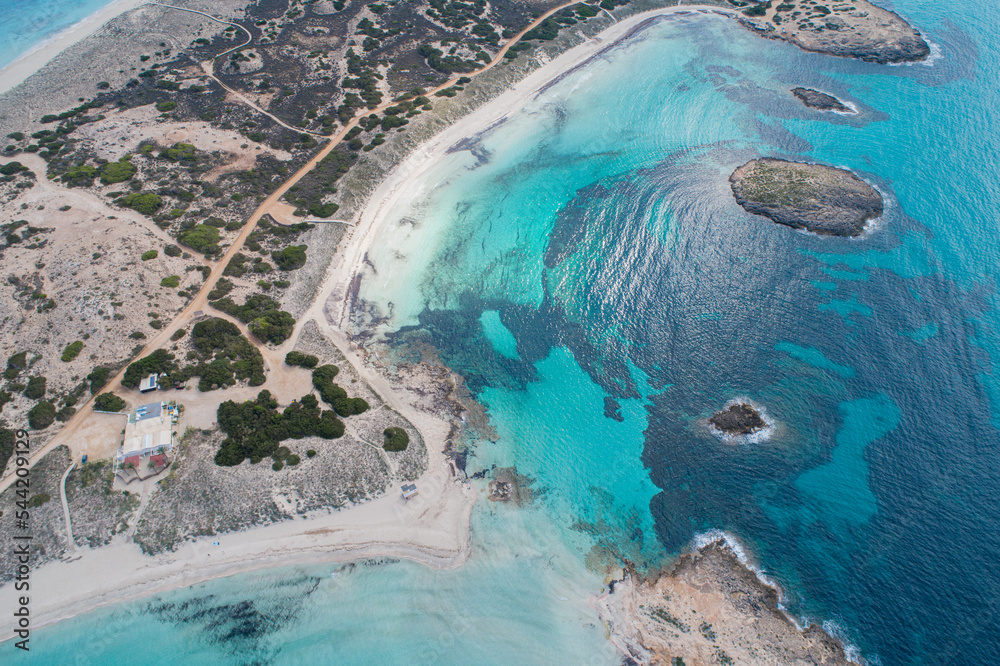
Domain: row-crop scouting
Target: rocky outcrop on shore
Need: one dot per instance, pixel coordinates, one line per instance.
(815, 99)
(738, 419)
(710, 609)
(818, 198)
(857, 29)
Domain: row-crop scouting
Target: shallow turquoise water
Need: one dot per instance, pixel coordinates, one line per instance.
(27, 23)
(585, 269)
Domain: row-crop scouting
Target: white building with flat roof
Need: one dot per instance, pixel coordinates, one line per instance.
(149, 436)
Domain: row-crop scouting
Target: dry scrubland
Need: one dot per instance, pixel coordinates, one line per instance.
(98, 512)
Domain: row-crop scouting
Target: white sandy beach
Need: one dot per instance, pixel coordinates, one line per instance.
(40, 54)
(432, 529)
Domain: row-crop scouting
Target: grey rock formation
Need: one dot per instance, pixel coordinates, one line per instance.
(818, 198)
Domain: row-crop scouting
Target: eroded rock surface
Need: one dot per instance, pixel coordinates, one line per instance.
(818, 198)
(856, 29)
(739, 419)
(815, 99)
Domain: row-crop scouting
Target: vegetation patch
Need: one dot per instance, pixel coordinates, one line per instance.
(301, 360)
(72, 350)
(109, 402)
(261, 315)
(256, 428)
(202, 238)
(146, 203)
(42, 415)
(334, 395)
(396, 439)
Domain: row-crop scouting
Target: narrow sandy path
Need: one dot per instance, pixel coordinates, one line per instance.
(65, 506)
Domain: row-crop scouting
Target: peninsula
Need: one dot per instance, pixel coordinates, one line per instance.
(848, 29)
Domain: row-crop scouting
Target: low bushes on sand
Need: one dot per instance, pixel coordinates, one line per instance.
(109, 402)
(256, 428)
(72, 351)
(301, 360)
(334, 395)
(396, 439)
(42, 415)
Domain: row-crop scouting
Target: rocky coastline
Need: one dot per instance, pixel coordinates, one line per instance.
(858, 30)
(818, 198)
(710, 608)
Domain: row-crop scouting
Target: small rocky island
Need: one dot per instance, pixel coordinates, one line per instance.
(739, 419)
(815, 99)
(818, 198)
(856, 29)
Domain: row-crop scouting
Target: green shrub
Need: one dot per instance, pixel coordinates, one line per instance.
(292, 460)
(149, 254)
(81, 175)
(261, 315)
(334, 395)
(38, 500)
(172, 251)
(201, 238)
(222, 287)
(159, 361)
(290, 258)
(310, 453)
(179, 152)
(276, 466)
(72, 351)
(117, 172)
(232, 356)
(35, 388)
(324, 210)
(301, 360)
(171, 282)
(42, 415)
(143, 202)
(178, 334)
(109, 402)
(98, 378)
(255, 428)
(396, 439)
(166, 105)
(7, 440)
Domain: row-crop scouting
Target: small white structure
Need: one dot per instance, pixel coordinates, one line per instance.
(148, 384)
(409, 490)
(147, 442)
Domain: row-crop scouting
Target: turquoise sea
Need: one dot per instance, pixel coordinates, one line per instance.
(27, 23)
(584, 267)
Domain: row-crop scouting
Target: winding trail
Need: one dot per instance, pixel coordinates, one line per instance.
(65, 505)
(200, 301)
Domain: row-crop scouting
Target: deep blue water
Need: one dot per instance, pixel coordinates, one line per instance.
(585, 268)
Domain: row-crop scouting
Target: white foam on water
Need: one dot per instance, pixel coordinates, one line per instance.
(758, 437)
(703, 540)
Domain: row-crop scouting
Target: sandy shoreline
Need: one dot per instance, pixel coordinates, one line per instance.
(432, 529)
(42, 53)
